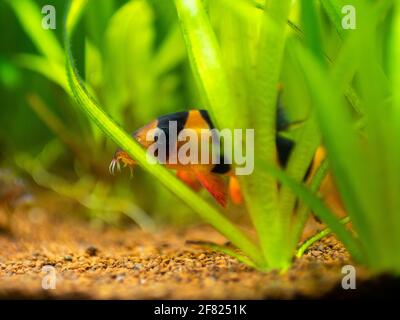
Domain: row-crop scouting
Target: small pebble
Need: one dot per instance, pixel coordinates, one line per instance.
(137, 266)
(92, 251)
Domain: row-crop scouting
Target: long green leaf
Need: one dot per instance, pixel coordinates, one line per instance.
(261, 188)
(207, 66)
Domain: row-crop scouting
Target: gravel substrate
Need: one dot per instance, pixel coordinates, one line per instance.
(131, 264)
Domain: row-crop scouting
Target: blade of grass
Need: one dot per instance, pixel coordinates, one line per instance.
(309, 242)
(260, 189)
(205, 58)
(90, 108)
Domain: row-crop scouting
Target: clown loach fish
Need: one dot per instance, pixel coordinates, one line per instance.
(210, 176)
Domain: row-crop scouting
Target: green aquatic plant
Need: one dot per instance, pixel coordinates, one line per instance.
(271, 208)
(363, 148)
(249, 64)
(90, 107)
(235, 66)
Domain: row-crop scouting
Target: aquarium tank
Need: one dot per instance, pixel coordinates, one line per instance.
(199, 149)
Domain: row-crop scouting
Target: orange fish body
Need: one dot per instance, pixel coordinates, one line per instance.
(206, 174)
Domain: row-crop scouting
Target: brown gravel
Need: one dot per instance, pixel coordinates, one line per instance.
(132, 264)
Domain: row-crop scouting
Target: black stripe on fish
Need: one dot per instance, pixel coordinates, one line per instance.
(206, 117)
(163, 124)
(222, 167)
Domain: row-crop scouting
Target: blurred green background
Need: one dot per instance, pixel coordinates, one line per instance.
(133, 58)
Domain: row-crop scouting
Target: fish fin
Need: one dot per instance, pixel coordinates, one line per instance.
(189, 178)
(215, 185)
(234, 190)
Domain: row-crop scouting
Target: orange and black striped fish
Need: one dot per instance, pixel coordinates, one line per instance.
(207, 175)
(210, 176)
